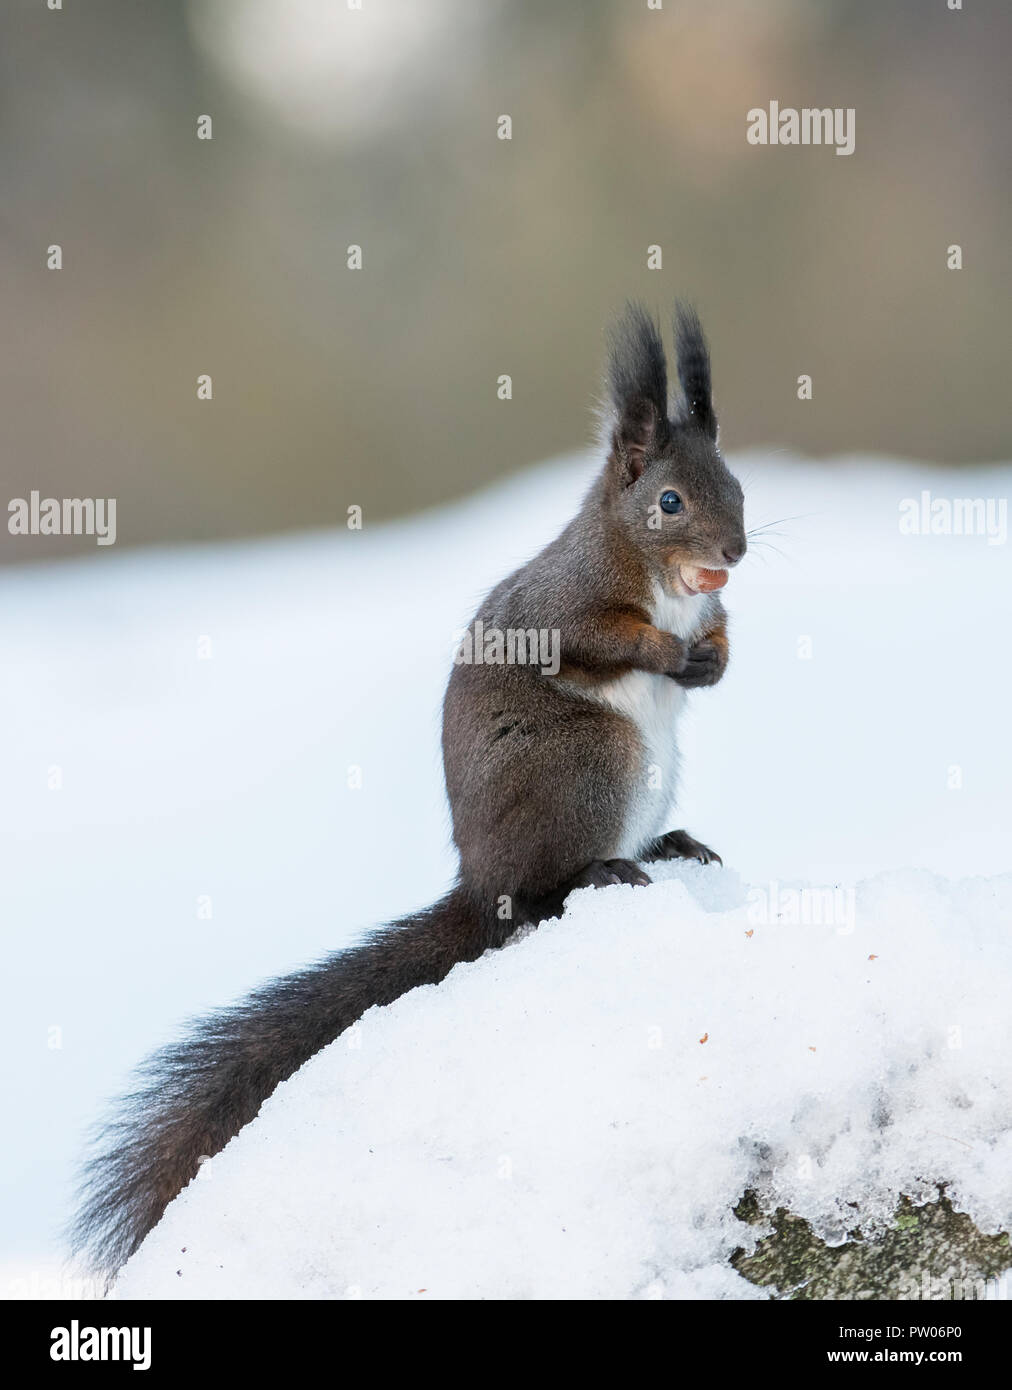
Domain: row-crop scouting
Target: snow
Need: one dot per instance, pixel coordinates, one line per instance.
(551, 1123)
(857, 739)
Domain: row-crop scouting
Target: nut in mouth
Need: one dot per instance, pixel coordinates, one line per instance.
(693, 579)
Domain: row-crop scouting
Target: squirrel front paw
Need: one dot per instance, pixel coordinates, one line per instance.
(679, 844)
(703, 665)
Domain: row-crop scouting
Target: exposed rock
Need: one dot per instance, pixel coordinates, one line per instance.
(931, 1251)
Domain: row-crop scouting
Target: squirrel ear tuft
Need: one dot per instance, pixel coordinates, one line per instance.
(694, 371)
(637, 389)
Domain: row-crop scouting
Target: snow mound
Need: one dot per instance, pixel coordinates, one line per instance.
(575, 1116)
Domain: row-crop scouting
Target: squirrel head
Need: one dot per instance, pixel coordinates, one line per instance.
(666, 486)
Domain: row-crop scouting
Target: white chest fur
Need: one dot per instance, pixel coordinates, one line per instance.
(653, 704)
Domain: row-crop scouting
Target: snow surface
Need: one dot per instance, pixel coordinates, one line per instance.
(576, 1116)
(861, 727)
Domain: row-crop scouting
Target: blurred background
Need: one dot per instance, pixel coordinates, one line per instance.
(377, 127)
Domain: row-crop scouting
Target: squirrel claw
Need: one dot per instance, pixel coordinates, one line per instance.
(679, 844)
(602, 873)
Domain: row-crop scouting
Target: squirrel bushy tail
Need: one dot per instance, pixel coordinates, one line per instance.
(195, 1095)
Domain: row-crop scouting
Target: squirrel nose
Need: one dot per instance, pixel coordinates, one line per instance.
(732, 554)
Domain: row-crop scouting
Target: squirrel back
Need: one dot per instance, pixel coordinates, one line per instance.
(560, 752)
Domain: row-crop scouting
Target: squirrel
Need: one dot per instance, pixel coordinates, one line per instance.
(557, 779)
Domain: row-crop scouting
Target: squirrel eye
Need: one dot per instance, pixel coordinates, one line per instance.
(671, 502)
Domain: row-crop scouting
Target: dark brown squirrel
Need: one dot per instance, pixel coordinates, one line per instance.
(558, 778)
